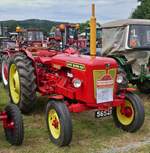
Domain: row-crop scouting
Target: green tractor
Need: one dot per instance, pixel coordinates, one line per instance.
(128, 42)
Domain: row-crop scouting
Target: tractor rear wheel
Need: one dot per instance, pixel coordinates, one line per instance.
(15, 133)
(4, 70)
(131, 116)
(144, 87)
(59, 123)
(22, 82)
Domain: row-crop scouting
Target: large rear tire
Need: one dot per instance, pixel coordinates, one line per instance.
(131, 117)
(59, 123)
(14, 135)
(22, 82)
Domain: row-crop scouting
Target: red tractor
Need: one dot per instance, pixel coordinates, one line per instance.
(65, 36)
(73, 83)
(20, 39)
(12, 124)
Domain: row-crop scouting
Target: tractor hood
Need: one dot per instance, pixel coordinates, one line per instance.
(82, 61)
(92, 71)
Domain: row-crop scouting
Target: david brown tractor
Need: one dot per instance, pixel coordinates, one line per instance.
(13, 124)
(73, 83)
(128, 42)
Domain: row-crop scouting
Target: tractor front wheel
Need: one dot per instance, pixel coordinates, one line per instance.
(14, 131)
(129, 117)
(22, 82)
(59, 123)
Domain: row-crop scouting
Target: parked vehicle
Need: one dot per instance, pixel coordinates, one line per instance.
(128, 42)
(65, 36)
(19, 39)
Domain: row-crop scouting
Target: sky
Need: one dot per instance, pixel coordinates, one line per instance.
(66, 10)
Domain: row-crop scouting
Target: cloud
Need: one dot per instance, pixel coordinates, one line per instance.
(66, 10)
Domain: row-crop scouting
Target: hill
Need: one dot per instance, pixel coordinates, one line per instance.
(44, 25)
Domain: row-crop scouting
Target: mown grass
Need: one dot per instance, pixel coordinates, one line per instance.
(90, 135)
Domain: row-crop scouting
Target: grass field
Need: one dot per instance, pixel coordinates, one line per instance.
(90, 135)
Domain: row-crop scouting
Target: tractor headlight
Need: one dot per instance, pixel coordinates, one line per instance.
(120, 79)
(76, 83)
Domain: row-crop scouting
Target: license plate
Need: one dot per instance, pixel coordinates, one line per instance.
(99, 114)
(104, 95)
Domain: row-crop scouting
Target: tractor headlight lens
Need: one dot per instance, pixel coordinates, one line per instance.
(120, 79)
(76, 83)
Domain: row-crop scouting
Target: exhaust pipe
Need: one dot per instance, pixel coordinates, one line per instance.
(93, 32)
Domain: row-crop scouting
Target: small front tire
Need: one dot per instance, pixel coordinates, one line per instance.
(130, 117)
(14, 135)
(59, 123)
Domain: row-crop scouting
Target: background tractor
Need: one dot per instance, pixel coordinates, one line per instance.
(73, 83)
(22, 38)
(65, 36)
(12, 124)
(98, 40)
(29, 37)
(128, 42)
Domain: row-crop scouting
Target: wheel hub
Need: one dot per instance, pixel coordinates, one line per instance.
(54, 124)
(10, 125)
(128, 112)
(125, 114)
(7, 123)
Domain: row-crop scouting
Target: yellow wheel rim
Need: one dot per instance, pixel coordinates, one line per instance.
(14, 84)
(54, 123)
(127, 116)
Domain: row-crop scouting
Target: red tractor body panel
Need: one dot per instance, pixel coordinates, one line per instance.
(58, 70)
(86, 92)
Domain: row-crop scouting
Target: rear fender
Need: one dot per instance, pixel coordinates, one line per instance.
(123, 64)
(29, 55)
(121, 60)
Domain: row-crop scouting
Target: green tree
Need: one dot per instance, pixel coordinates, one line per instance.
(83, 26)
(142, 11)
